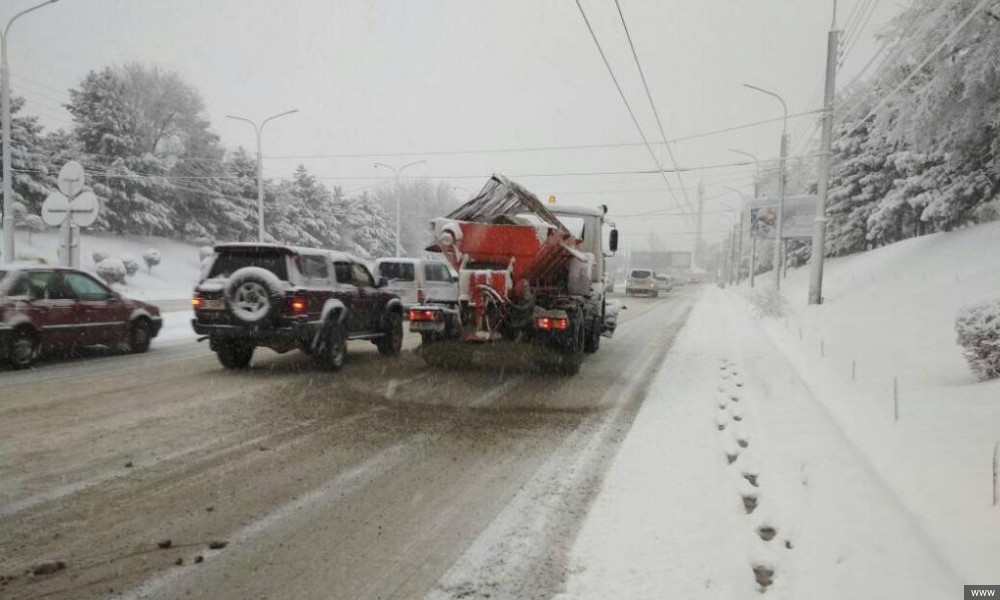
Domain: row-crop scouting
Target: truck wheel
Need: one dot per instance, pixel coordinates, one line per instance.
(572, 356)
(332, 350)
(392, 341)
(593, 342)
(234, 354)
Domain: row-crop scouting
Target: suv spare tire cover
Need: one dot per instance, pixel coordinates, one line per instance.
(254, 294)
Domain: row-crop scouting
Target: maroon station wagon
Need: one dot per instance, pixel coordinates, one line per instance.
(44, 307)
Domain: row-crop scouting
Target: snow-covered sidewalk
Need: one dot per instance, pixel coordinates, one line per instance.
(734, 479)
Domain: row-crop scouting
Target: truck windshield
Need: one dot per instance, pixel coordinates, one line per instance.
(575, 225)
(229, 261)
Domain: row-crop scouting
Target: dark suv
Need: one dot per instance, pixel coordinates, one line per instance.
(44, 307)
(287, 298)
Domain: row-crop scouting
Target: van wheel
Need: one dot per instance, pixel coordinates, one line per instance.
(23, 348)
(234, 354)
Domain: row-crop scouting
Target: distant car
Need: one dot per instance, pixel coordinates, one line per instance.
(286, 298)
(664, 282)
(44, 307)
(694, 279)
(417, 280)
(642, 282)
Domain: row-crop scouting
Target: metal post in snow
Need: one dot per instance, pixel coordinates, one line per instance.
(996, 474)
(895, 399)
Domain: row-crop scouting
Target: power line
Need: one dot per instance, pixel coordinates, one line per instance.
(652, 104)
(625, 100)
(512, 150)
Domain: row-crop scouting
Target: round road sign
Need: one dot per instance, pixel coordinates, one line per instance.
(84, 208)
(54, 209)
(71, 179)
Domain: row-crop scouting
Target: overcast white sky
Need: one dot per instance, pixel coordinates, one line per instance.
(436, 75)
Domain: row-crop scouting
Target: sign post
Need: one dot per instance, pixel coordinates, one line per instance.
(69, 209)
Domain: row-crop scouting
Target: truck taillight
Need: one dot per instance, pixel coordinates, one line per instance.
(426, 315)
(297, 305)
(197, 302)
(552, 323)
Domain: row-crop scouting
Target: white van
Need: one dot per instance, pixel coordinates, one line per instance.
(418, 280)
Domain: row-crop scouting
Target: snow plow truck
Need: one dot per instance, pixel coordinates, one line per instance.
(530, 278)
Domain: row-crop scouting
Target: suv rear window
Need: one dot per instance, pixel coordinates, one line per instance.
(229, 261)
(640, 274)
(400, 271)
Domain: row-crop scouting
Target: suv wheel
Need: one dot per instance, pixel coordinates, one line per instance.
(392, 341)
(138, 337)
(332, 350)
(234, 354)
(22, 349)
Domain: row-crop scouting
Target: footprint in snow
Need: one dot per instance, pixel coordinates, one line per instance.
(767, 533)
(751, 478)
(743, 443)
(750, 502)
(764, 575)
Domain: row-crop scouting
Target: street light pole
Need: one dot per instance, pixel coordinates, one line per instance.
(756, 194)
(743, 220)
(396, 172)
(781, 184)
(8, 184)
(819, 225)
(258, 131)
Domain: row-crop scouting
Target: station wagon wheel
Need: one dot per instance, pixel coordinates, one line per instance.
(138, 337)
(23, 348)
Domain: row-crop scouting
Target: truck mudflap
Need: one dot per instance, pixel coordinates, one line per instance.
(611, 310)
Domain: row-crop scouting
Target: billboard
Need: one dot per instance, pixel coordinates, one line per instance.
(799, 214)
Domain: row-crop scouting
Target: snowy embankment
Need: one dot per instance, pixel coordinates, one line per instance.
(173, 278)
(758, 463)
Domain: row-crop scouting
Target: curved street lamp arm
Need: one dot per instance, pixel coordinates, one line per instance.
(245, 120)
(273, 117)
(24, 12)
(769, 93)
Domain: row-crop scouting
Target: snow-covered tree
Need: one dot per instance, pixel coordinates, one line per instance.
(152, 258)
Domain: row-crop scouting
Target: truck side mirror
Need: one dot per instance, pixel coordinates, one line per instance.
(613, 242)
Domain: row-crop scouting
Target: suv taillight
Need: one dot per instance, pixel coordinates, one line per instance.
(297, 305)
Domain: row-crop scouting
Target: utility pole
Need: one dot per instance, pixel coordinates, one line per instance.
(258, 130)
(781, 185)
(398, 193)
(819, 225)
(697, 239)
(8, 183)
